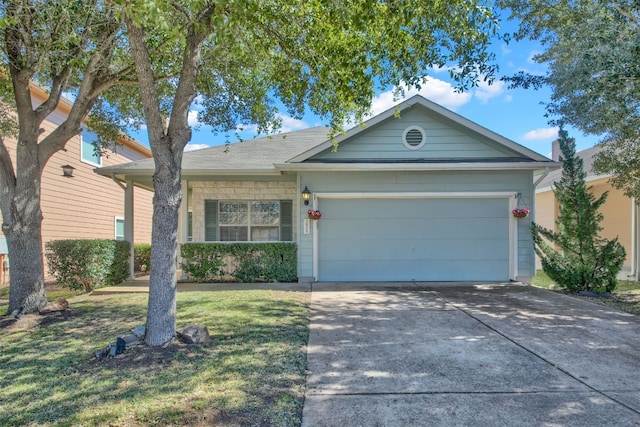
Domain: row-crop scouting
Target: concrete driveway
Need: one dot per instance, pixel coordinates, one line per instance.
(468, 355)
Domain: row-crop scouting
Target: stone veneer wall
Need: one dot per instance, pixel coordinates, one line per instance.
(238, 190)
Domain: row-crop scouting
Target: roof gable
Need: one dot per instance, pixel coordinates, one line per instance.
(448, 137)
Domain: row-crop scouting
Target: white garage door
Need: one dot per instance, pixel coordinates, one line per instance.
(422, 239)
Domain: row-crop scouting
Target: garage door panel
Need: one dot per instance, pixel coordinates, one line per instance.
(413, 239)
(440, 228)
(414, 208)
(411, 271)
(392, 249)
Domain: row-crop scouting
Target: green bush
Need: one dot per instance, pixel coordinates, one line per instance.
(88, 264)
(142, 257)
(243, 262)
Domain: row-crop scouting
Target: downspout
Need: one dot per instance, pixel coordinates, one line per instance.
(635, 237)
(535, 184)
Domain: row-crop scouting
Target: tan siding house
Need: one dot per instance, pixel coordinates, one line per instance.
(620, 212)
(87, 205)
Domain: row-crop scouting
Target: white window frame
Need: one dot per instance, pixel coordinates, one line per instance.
(82, 150)
(115, 228)
(249, 224)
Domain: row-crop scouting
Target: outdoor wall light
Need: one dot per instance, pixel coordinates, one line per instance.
(67, 170)
(306, 195)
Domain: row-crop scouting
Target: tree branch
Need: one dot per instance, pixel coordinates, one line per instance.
(626, 14)
(198, 31)
(7, 179)
(147, 82)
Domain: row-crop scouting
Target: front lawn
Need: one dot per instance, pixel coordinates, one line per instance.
(626, 296)
(253, 372)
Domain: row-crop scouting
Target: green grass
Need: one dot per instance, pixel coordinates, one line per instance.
(626, 296)
(53, 293)
(252, 373)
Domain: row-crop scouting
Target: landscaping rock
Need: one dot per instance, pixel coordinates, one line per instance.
(194, 334)
(102, 352)
(17, 313)
(57, 305)
(130, 340)
(139, 331)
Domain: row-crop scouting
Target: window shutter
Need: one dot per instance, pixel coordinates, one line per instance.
(286, 220)
(210, 220)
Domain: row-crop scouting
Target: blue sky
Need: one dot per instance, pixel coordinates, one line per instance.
(516, 114)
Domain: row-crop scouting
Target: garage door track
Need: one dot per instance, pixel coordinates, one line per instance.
(457, 355)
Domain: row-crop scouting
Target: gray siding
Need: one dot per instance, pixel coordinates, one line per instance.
(445, 140)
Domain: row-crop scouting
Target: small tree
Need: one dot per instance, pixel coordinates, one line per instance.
(584, 261)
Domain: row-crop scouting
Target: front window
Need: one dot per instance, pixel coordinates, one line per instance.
(239, 220)
(119, 228)
(248, 221)
(88, 152)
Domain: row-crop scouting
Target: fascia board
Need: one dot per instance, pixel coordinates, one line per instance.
(308, 167)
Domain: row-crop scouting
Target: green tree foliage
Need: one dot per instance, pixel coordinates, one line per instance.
(582, 260)
(63, 46)
(241, 58)
(592, 49)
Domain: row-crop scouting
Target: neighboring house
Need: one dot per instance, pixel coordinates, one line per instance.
(86, 205)
(416, 193)
(619, 211)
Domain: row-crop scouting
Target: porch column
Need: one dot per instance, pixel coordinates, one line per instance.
(183, 224)
(128, 224)
(635, 240)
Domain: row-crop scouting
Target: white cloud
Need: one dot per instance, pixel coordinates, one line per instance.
(192, 118)
(486, 91)
(435, 90)
(198, 103)
(541, 134)
(290, 124)
(193, 147)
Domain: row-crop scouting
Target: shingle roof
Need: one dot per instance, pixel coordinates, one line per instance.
(257, 154)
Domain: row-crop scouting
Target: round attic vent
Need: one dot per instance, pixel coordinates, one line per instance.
(414, 137)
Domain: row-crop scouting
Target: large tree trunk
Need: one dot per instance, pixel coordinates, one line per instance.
(161, 315)
(167, 142)
(26, 288)
(23, 228)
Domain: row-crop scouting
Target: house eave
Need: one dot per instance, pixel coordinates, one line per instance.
(187, 173)
(353, 167)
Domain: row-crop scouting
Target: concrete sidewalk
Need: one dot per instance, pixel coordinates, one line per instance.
(484, 355)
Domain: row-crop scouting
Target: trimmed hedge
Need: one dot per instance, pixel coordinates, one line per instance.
(142, 257)
(242, 262)
(88, 264)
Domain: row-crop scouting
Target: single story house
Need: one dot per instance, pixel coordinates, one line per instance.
(417, 193)
(621, 216)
